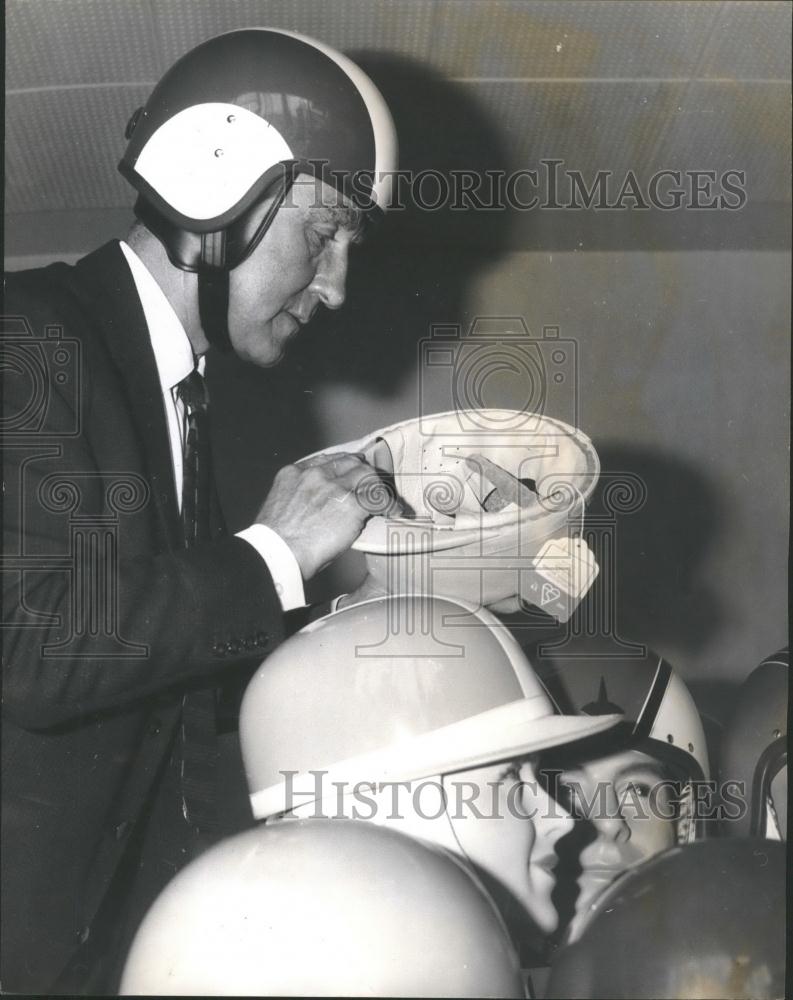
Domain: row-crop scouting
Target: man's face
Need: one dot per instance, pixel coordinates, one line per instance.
(491, 810)
(621, 821)
(300, 263)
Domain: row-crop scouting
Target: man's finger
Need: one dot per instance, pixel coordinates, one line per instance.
(359, 475)
(337, 464)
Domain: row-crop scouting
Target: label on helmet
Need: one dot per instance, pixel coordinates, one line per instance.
(564, 569)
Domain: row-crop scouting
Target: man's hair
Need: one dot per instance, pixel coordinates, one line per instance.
(343, 216)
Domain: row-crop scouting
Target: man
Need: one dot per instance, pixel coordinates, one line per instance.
(256, 161)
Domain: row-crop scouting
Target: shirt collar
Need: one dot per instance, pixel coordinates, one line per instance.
(173, 351)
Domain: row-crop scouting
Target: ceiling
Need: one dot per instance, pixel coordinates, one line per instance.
(601, 84)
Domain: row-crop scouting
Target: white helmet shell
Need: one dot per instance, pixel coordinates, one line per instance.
(677, 721)
(323, 908)
(389, 690)
(594, 676)
(446, 541)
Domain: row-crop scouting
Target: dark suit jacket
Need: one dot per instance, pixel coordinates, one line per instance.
(94, 562)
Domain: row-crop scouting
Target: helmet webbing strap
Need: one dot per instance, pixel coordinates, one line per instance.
(213, 278)
(213, 307)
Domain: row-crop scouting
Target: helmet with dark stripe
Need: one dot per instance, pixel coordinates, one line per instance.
(593, 675)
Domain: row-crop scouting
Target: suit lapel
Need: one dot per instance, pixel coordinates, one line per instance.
(105, 284)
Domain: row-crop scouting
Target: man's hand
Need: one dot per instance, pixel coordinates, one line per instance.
(313, 506)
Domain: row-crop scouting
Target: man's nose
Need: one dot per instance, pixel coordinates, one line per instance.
(330, 280)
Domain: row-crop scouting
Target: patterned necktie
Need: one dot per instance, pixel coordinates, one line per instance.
(197, 481)
(198, 743)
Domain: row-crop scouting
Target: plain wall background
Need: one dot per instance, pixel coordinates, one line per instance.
(681, 320)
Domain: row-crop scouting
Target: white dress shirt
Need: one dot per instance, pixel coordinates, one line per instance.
(173, 354)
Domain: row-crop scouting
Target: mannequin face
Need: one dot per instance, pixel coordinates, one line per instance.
(497, 817)
(625, 809)
(493, 812)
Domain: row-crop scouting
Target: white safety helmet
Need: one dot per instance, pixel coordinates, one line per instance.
(323, 908)
(478, 505)
(226, 131)
(392, 690)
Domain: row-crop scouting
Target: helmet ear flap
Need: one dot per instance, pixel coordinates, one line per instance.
(184, 248)
(224, 248)
(244, 234)
(222, 251)
(212, 255)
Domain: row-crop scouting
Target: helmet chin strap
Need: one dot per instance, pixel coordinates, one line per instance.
(220, 257)
(213, 308)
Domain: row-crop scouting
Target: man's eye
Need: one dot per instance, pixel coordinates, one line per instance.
(317, 241)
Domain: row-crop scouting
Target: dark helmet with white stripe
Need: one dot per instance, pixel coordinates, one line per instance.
(704, 920)
(219, 143)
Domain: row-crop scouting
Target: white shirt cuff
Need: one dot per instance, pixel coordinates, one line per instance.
(281, 563)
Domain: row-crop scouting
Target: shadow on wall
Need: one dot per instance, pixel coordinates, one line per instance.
(651, 523)
(396, 290)
(665, 520)
(664, 596)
